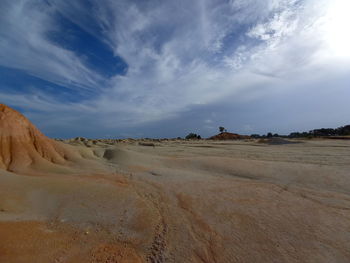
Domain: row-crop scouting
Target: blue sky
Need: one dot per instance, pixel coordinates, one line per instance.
(123, 68)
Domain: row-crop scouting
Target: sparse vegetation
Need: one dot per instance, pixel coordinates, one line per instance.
(323, 132)
(222, 129)
(193, 136)
(255, 136)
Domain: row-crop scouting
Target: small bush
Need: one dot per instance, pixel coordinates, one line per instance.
(192, 136)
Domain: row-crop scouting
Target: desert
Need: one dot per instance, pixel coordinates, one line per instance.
(204, 131)
(84, 200)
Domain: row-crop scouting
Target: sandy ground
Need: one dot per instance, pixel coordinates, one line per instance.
(200, 201)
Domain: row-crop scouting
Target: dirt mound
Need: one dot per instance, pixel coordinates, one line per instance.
(228, 136)
(23, 145)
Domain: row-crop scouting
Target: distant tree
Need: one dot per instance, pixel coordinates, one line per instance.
(222, 129)
(323, 132)
(276, 135)
(306, 134)
(255, 136)
(340, 131)
(192, 136)
(343, 131)
(301, 135)
(269, 135)
(294, 135)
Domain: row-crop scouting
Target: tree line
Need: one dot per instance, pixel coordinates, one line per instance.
(323, 132)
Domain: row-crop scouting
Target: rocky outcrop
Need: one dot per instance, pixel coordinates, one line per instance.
(22, 144)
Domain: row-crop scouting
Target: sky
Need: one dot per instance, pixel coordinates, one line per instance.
(161, 68)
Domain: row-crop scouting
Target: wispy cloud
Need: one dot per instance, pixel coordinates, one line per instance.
(179, 54)
(24, 45)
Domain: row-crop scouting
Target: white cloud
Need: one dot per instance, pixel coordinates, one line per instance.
(24, 45)
(179, 53)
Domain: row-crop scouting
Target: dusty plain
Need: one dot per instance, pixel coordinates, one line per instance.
(181, 201)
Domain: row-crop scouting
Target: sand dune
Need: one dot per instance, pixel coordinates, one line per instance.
(180, 201)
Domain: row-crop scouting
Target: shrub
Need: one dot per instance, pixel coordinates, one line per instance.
(192, 136)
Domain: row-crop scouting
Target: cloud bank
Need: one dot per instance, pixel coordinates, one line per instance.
(178, 58)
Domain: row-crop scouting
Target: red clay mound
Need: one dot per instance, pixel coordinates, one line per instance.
(22, 144)
(228, 136)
